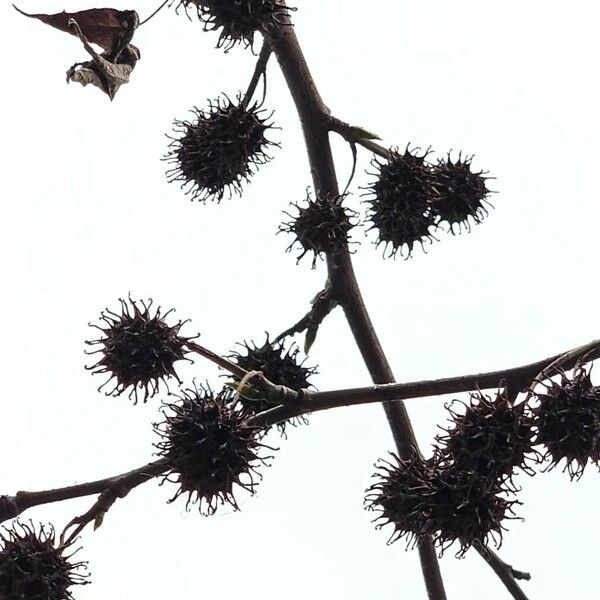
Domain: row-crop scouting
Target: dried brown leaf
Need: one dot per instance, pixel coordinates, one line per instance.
(105, 74)
(109, 28)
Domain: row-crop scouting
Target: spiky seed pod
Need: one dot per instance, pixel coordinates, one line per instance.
(210, 447)
(466, 509)
(432, 497)
(34, 567)
(491, 438)
(139, 349)
(568, 421)
(459, 195)
(239, 20)
(402, 495)
(321, 226)
(398, 201)
(280, 366)
(219, 149)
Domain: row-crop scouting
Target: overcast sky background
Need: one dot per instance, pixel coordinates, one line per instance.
(88, 217)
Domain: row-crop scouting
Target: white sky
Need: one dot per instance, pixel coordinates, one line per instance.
(88, 216)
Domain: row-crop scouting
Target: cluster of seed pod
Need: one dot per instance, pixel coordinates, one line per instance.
(208, 439)
(465, 491)
(407, 202)
(461, 495)
(218, 150)
(410, 198)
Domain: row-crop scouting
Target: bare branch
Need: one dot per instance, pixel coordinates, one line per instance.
(516, 378)
(13, 506)
(322, 304)
(314, 117)
(260, 70)
(356, 135)
(567, 360)
(505, 572)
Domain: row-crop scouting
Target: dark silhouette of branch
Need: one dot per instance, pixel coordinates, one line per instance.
(13, 506)
(505, 572)
(314, 117)
(356, 135)
(295, 404)
(259, 72)
(321, 305)
(516, 378)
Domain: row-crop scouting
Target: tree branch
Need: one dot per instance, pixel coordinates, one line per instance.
(352, 135)
(260, 70)
(321, 305)
(314, 117)
(298, 404)
(516, 378)
(505, 572)
(13, 506)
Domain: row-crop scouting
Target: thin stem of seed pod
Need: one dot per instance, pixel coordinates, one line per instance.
(222, 362)
(353, 136)
(314, 117)
(154, 13)
(505, 572)
(240, 386)
(275, 394)
(260, 71)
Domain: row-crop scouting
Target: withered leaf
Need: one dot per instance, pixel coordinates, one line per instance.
(109, 28)
(105, 74)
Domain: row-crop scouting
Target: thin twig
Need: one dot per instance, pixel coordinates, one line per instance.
(260, 70)
(567, 360)
(96, 513)
(154, 13)
(321, 305)
(275, 394)
(351, 135)
(222, 362)
(505, 572)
